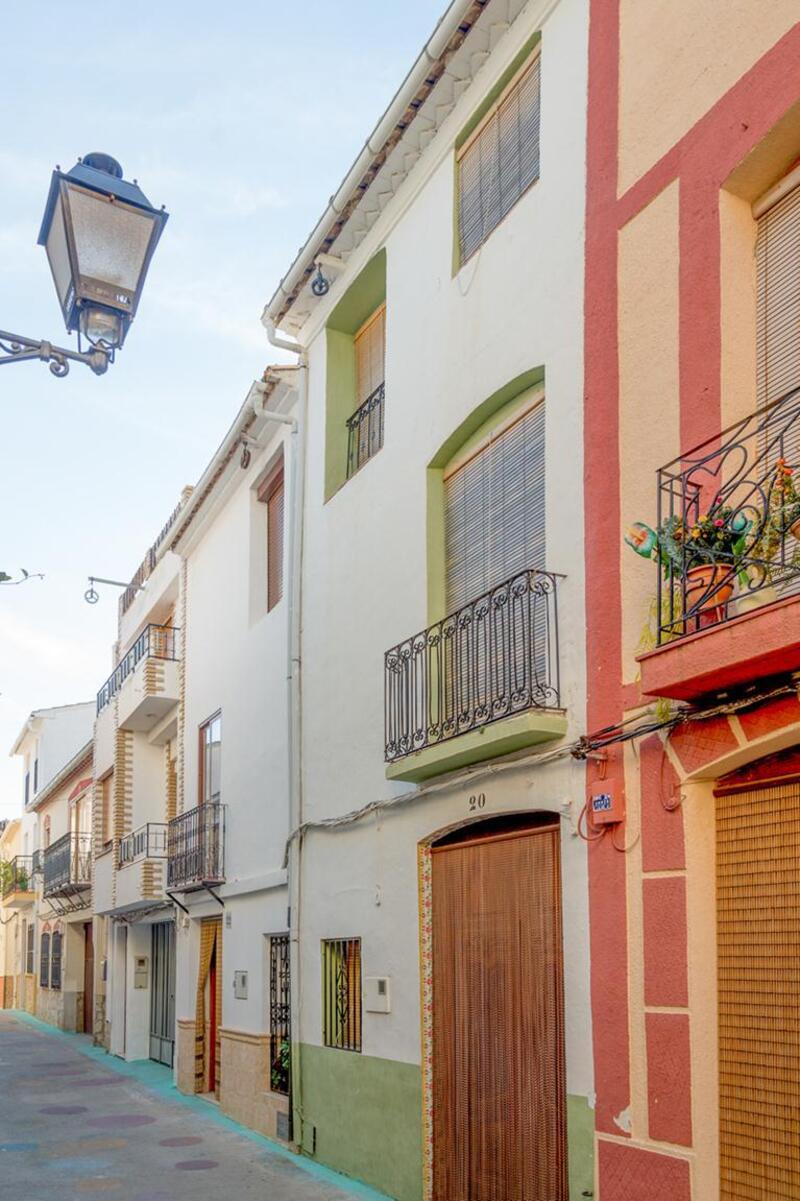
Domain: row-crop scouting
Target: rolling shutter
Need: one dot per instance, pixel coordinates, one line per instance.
(370, 344)
(495, 511)
(778, 305)
(758, 953)
(499, 161)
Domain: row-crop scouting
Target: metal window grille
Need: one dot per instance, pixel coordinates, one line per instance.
(341, 993)
(279, 1013)
(30, 949)
(55, 960)
(44, 961)
(499, 161)
(365, 431)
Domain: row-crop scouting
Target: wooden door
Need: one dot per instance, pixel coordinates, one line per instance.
(88, 978)
(758, 967)
(499, 1095)
(213, 1026)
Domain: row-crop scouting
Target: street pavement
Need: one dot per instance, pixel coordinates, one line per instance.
(72, 1126)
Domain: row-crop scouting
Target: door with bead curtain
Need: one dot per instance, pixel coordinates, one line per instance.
(499, 1092)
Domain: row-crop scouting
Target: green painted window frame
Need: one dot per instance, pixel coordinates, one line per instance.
(492, 412)
(366, 294)
(531, 47)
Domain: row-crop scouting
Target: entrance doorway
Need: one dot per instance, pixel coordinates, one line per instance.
(88, 978)
(499, 1092)
(162, 994)
(209, 1008)
(758, 950)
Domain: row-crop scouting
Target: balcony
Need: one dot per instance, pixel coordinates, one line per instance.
(67, 866)
(365, 431)
(16, 882)
(196, 847)
(727, 559)
(142, 868)
(145, 679)
(482, 682)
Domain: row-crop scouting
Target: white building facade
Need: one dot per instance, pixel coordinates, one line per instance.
(439, 907)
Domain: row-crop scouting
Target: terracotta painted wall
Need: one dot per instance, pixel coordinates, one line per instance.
(694, 111)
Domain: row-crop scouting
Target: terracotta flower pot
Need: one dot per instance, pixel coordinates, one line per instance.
(704, 588)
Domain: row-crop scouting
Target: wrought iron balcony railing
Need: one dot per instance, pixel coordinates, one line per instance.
(365, 431)
(196, 847)
(493, 658)
(728, 535)
(155, 642)
(16, 875)
(36, 862)
(148, 842)
(68, 864)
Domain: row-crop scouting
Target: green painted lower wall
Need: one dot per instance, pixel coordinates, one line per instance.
(363, 1117)
(580, 1141)
(367, 1115)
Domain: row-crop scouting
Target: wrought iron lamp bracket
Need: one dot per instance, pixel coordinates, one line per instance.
(16, 349)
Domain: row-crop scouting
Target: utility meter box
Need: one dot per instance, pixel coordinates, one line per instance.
(140, 967)
(606, 803)
(240, 986)
(377, 997)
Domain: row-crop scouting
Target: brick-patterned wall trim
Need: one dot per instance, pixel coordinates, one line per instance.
(152, 884)
(181, 760)
(631, 1173)
(154, 677)
(171, 784)
(669, 1078)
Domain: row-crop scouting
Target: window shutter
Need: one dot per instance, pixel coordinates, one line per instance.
(275, 544)
(778, 305)
(369, 344)
(495, 511)
(44, 961)
(500, 161)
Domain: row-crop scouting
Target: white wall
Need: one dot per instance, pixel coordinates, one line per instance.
(451, 343)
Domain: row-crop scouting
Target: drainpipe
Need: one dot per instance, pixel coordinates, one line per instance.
(294, 731)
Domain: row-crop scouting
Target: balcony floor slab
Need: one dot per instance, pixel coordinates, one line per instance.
(475, 746)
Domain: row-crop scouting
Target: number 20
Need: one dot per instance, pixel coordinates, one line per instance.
(477, 802)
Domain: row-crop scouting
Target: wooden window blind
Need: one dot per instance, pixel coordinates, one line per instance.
(272, 494)
(341, 993)
(370, 351)
(758, 953)
(55, 960)
(495, 511)
(778, 299)
(499, 161)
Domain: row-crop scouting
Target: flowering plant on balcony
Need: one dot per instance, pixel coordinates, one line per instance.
(718, 537)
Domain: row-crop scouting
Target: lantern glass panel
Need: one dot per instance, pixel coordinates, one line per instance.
(111, 239)
(58, 255)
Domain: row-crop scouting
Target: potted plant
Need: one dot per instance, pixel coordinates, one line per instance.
(706, 552)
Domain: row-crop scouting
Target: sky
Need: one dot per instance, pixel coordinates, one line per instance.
(242, 118)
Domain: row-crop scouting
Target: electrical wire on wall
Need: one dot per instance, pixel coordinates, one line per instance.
(581, 749)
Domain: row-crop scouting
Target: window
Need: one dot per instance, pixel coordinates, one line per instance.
(365, 427)
(107, 815)
(55, 960)
(30, 949)
(44, 961)
(271, 493)
(341, 993)
(778, 299)
(210, 757)
(494, 498)
(35, 776)
(46, 832)
(279, 1029)
(27, 786)
(499, 160)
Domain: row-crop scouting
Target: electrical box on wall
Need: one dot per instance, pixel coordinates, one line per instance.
(240, 986)
(140, 965)
(376, 994)
(606, 803)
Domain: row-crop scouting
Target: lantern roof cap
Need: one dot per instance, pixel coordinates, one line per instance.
(100, 173)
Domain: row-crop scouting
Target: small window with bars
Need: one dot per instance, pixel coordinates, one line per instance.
(55, 960)
(341, 993)
(271, 493)
(279, 1013)
(499, 161)
(365, 427)
(44, 961)
(30, 949)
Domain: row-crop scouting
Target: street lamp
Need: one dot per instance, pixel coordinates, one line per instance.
(100, 233)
